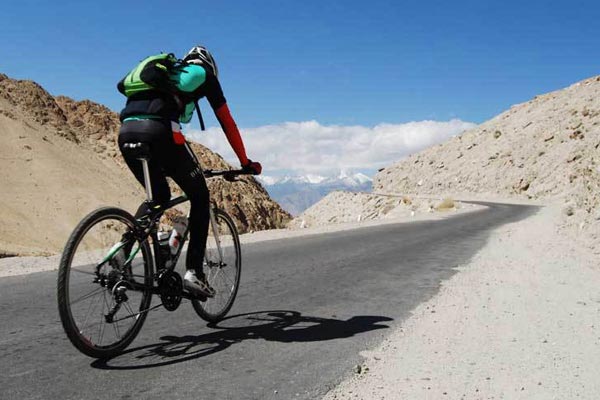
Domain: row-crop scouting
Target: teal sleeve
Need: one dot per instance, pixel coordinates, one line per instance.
(189, 78)
(186, 116)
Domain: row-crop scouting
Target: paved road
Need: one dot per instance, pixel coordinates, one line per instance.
(305, 310)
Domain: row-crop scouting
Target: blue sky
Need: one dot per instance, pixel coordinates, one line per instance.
(340, 63)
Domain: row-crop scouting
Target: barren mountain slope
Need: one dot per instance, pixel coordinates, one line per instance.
(48, 184)
(60, 160)
(546, 148)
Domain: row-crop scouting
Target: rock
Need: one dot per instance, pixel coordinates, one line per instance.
(445, 205)
(576, 135)
(568, 210)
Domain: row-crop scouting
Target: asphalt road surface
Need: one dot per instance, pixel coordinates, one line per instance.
(306, 308)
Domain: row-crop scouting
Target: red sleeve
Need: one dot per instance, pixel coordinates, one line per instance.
(231, 132)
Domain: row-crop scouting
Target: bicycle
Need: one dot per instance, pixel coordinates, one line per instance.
(107, 273)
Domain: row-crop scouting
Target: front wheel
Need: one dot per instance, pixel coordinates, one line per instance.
(222, 266)
(104, 283)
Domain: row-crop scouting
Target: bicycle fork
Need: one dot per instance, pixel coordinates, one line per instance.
(213, 223)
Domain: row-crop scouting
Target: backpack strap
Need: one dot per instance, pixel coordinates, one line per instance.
(199, 115)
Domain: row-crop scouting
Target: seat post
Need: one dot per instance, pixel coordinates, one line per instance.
(141, 151)
(147, 183)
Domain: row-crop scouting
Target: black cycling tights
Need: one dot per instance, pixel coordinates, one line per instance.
(178, 162)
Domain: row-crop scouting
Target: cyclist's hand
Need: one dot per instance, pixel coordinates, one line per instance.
(252, 167)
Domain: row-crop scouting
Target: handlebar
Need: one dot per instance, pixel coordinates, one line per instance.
(229, 175)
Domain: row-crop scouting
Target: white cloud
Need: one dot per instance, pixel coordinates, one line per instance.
(309, 147)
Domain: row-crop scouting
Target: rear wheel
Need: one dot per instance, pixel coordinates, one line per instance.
(102, 298)
(222, 267)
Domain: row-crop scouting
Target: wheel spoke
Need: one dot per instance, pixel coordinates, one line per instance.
(88, 295)
(226, 277)
(82, 272)
(102, 323)
(116, 325)
(91, 308)
(131, 313)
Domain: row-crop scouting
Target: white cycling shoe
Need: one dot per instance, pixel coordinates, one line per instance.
(197, 286)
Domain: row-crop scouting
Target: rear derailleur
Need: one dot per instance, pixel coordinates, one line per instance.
(119, 292)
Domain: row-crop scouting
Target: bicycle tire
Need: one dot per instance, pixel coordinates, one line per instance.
(87, 250)
(210, 310)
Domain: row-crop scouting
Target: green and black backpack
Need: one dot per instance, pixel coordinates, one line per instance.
(152, 73)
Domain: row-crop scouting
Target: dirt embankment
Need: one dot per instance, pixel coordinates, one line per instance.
(346, 207)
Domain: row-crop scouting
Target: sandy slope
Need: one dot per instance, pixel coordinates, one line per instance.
(521, 321)
(36, 166)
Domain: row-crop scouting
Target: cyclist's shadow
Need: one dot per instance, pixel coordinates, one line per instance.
(277, 325)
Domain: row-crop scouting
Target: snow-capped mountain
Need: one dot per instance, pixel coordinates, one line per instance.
(356, 179)
(308, 179)
(297, 193)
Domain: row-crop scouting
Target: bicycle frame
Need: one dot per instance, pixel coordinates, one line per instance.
(150, 228)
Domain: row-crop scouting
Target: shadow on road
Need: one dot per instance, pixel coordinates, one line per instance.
(278, 325)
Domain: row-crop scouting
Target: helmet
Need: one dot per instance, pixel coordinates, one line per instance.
(199, 55)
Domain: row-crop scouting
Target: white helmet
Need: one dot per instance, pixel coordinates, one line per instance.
(199, 55)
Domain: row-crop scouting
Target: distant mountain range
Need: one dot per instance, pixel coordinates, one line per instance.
(297, 193)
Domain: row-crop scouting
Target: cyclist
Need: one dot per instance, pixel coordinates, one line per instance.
(153, 116)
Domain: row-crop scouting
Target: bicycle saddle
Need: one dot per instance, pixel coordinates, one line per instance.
(137, 149)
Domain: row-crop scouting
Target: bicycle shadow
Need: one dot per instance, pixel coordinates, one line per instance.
(277, 325)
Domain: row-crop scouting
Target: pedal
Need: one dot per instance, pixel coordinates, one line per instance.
(196, 295)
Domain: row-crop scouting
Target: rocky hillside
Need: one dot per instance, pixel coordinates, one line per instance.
(545, 149)
(60, 160)
(344, 207)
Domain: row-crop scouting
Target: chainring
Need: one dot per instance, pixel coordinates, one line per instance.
(170, 288)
